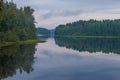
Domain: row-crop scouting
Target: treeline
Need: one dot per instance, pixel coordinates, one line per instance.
(16, 24)
(90, 28)
(42, 31)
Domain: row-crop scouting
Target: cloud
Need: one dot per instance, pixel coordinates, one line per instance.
(60, 13)
(50, 13)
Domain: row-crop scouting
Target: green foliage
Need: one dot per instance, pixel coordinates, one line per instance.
(10, 36)
(90, 28)
(16, 24)
(1, 8)
(42, 31)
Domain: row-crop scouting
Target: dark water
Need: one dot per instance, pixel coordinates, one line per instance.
(62, 59)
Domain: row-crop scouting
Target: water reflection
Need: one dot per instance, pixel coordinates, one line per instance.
(90, 44)
(42, 37)
(16, 58)
(59, 63)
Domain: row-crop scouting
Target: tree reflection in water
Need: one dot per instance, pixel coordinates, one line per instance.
(17, 57)
(106, 45)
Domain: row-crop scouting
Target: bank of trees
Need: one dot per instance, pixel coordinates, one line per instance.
(16, 24)
(90, 28)
(42, 31)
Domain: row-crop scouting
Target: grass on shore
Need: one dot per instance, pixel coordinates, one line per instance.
(30, 41)
(20, 42)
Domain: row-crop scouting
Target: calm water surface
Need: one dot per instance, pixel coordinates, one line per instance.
(62, 59)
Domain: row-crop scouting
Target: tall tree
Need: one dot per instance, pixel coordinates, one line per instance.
(16, 24)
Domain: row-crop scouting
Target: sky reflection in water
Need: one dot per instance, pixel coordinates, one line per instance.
(59, 63)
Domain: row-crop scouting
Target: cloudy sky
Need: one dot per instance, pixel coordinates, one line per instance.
(50, 13)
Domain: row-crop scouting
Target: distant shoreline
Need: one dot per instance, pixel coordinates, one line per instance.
(90, 36)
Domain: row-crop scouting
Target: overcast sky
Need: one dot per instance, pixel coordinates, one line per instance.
(50, 13)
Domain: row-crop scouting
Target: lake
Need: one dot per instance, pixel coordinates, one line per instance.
(62, 58)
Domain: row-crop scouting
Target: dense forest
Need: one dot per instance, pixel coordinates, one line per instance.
(92, 45)
(16, 24)
(90, 28)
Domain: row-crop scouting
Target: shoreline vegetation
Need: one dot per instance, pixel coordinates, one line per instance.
(5, 44)
(89, 36)
(17, 25)
(90, 28)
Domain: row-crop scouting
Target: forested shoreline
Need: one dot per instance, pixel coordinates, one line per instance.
(16, 24)
(42, 31)
(90, 28)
